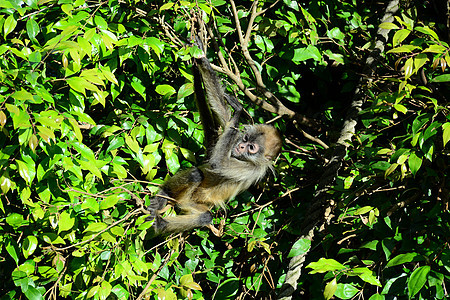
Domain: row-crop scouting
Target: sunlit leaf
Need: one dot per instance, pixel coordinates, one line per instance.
(346, 291)
(402, 259)
(446, 133)
(165, 89)
(417, 280)
(301, 246)
(324, 265)
(29, 245)
(388, 25)
(9, 25)
(409, 67)
(65, 222)
(330, 289)
(441, 78)
(32, 29)
(109, 201)
(400, 36)
(427, 31)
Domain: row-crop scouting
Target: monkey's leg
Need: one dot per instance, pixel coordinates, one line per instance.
(194, 215)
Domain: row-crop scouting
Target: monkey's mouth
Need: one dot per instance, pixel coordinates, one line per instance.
(236, 153)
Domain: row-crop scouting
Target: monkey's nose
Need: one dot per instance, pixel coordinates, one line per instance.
(240, 148)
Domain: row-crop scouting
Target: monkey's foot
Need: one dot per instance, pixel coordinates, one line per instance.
(214, 230)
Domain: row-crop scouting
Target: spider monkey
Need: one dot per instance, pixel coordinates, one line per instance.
(237, 160)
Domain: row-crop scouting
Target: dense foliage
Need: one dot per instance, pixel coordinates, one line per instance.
(97, 108)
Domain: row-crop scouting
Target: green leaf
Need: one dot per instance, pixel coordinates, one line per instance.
(105, 290)
(32, 29)
(427, 30)
(303, 54)
(91, 167)
(403, 49)
(165, 89)
(363, 210)
(32, 293)
(301, 246)
(402, 259)
(391, 169)
(345, 291)
(325, 265)
(188, 282)
(24, 171)
(330, 289)
(78, 84)
(66, 222)
(388, 25)
(15, 220)
(441, 78)
(76, 129)
(120, 292)
(84, 151)
(5, 183)
(138, 87)
(399, 36)
(67, 8)
(91, 204)
(2, 119)
(92, 291)
(409, 70)
(132, 144)
(33, 143)
(435, 49)
(414, 163)
(11, 248)
(446, 133)
(369, 278)
(109, 201)
(431, 130)
(118, 231)
(419, 61)
(21, 119)
(417, 280)
(95, 227)
(155, 44)
(185, 90)
(29, 245)
(9, 25)
(100, 22)
(109, 75)
(336, 33)
(166, 6)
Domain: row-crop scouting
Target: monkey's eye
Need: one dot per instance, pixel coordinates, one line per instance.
(253, 148)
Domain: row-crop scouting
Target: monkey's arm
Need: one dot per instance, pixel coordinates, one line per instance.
(209, 120)
(222, 150)
(215, 93)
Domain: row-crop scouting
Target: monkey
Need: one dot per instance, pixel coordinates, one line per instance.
(238, 159)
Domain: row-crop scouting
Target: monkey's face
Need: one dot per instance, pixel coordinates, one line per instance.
(246, 146)
(258, 143)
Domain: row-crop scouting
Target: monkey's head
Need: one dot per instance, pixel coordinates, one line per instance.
(258, 144)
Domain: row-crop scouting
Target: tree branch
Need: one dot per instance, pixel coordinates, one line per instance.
(320, 212)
